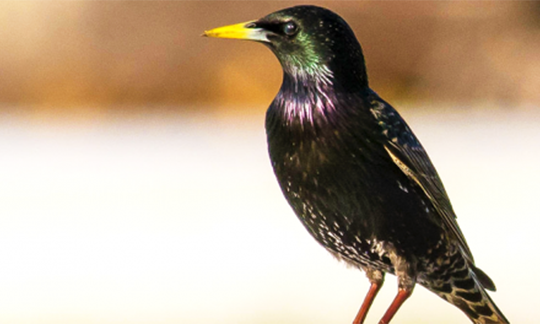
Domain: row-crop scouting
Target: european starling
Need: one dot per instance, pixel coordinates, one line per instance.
(353, 171)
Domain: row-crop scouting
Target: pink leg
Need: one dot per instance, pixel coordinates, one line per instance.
(362, 313)
(401, 297)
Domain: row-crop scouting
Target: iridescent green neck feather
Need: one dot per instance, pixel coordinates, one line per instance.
(309, 52)
(320, 57)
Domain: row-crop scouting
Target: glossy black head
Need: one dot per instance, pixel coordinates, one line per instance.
(309, 41)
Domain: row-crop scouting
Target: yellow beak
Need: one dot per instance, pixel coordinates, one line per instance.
(238, 31)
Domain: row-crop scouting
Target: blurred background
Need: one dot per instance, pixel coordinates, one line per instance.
(135, 185)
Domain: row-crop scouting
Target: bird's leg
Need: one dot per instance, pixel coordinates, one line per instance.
(402, 295)
(376, 277)
(406, 273)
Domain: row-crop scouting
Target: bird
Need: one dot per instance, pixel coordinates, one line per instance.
(353, 171)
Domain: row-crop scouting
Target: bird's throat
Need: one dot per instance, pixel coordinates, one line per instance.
(306, 96)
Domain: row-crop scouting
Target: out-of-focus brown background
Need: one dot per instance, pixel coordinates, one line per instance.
(109, 54)
(135, 185)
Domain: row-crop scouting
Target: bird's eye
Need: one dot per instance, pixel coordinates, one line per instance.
(290, 28)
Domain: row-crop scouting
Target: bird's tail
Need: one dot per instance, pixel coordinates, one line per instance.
(466, 289)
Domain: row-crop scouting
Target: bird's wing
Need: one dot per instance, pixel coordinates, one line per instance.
(408, 154)
(414, 162)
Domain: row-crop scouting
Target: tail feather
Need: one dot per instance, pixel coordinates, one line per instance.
(483, 278)
(478, 306)
(466, 291)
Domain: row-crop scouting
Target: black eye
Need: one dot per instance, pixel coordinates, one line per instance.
(290, 28)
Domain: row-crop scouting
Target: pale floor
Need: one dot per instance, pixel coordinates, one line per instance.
(160, 219)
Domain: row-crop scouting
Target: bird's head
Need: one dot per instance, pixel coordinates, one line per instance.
(311, 43)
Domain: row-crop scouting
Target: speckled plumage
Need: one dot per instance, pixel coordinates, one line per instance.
(354, 172)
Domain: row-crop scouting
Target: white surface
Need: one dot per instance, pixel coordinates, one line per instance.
(179, 220)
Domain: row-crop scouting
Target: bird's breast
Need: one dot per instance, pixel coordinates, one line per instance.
(341, 183)
(325, 181)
